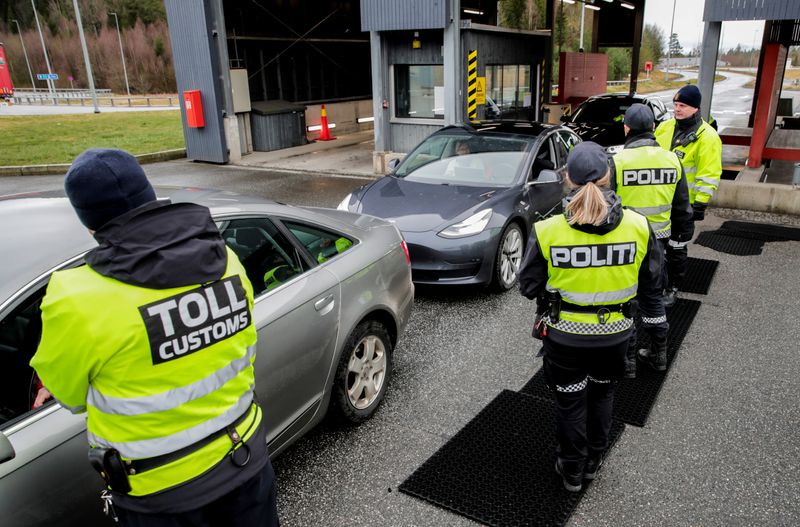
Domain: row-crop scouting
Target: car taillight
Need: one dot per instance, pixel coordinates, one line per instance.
(405, 250)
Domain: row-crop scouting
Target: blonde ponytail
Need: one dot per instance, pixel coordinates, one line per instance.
(589, 206)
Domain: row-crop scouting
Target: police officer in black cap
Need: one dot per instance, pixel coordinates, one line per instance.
(585, 268)
(650, 180)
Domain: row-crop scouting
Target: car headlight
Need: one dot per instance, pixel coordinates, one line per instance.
(614, 149)
(345, 203)
(472, 225)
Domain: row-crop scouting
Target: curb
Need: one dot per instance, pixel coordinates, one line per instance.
(61, 168)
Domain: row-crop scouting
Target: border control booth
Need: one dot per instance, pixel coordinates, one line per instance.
(441, 63)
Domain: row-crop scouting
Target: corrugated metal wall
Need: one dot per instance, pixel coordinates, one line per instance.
(406, 136)
(389, 15)
(197, 68)
(722, 10)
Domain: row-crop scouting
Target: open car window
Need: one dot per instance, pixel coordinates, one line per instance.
(20, 331)
(268, 257)
(320, 243)
(602, 111)
(545, 159)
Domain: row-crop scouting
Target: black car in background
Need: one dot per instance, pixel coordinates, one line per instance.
(465, 198)
(599, 118)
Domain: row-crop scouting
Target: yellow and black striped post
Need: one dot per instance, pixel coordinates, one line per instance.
(472, 85)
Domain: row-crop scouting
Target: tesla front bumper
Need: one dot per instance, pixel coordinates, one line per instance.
(438, 260)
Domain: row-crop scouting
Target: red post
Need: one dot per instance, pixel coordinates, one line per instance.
(324, 134)
(768, 93)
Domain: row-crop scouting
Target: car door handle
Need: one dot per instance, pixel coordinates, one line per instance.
(324, 305)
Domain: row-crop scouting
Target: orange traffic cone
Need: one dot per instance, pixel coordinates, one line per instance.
(324, 133)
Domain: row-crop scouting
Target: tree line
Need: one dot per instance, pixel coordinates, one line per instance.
(530, 14)
(142, 28)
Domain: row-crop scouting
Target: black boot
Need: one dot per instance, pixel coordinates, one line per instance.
(656, 356)
(572, 482)
(670, 296)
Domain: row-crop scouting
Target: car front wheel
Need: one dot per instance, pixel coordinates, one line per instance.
(363, 373)
(508, 258)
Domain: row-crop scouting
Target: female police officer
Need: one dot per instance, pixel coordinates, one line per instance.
(585, 267)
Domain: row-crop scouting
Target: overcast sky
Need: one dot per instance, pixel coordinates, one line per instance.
(689, 24)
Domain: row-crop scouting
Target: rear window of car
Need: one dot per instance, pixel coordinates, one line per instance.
(602, 111)
(322, 244)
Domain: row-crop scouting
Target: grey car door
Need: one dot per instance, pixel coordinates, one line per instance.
(296, 313)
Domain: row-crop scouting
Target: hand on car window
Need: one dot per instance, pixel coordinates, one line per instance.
(42, 396)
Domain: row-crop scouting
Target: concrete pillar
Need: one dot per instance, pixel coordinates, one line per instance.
(453, 57)
(380, 93)
(708, 65)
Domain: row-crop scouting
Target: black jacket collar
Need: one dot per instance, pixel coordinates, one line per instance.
(160, 245)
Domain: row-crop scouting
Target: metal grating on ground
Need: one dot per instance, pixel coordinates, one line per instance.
(699, 275)
(634, 398)
(727, 242)
(498, 469)
(761, 231)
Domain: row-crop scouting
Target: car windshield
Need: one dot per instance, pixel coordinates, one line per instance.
(602, 111)
(471, 160)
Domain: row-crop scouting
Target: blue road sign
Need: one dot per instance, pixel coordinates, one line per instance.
(47, 76)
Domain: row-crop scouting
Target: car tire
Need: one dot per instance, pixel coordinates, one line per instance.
(508, 258)
(363, 374)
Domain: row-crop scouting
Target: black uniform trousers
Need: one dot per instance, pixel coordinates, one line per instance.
(676, 263)
(252, 503)
(582, 380)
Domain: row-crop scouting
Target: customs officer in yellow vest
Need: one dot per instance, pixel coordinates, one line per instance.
(586, 268)
(154, 339)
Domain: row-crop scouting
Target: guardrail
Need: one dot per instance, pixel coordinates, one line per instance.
(83, 99)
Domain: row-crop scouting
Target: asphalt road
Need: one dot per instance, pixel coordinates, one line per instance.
(720, 447)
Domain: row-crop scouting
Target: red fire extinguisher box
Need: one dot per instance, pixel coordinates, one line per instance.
(194, 109)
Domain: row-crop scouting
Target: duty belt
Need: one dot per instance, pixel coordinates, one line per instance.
(137, 466)
(602, 311)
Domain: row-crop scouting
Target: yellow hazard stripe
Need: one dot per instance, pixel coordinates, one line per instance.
(472, 84)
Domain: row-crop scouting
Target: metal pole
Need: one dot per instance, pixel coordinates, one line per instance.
(753, 50)
(44, 50)
(25, 52)
(669, 41)
(583, 13)
(85, 55)
(122, 54)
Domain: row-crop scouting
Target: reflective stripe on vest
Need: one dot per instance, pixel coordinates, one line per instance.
(171, 398)
(588, 269)
(646, 179)
(146, 448)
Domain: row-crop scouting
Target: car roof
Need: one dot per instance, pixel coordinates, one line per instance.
(530, 129)
(626, 96)
(42, 231)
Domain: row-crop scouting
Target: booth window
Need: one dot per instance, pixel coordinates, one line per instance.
(419, 91)
(508, 87)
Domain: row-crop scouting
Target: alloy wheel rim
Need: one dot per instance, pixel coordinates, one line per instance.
(511, 257)
(366, 372)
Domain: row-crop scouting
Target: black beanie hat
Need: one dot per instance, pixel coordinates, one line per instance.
(587, 162)
(689, 95)
(103, 183)
(639, 117)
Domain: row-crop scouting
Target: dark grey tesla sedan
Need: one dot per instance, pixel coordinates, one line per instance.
(465, 198)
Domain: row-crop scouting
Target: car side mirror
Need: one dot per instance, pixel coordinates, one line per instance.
(565, 119)
(546, 176)
(7, 452)
(393, 164)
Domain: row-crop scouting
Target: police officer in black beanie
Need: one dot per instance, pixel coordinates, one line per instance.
(698, 146)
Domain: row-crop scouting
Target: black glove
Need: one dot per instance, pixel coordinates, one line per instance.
(699, 213)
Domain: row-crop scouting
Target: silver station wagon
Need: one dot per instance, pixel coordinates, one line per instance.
(333, 294)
